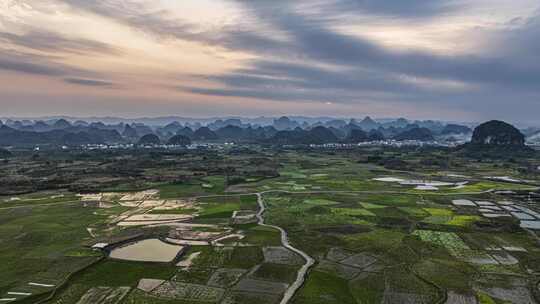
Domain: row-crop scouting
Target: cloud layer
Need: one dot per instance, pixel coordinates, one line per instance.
(442, 58)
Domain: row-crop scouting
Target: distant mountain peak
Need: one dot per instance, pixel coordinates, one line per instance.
(149, 139)
(179, 140)
(421, 134)
(129, 132)
(368, 124)
(204, 133)
(61, 124)
(368, 119)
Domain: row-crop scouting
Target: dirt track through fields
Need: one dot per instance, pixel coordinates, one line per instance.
(302, 273)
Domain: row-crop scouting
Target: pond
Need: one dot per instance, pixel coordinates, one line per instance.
(150, 250)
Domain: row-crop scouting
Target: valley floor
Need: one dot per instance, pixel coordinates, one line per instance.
(326, 230)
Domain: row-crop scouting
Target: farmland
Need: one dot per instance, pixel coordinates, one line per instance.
(374, 236)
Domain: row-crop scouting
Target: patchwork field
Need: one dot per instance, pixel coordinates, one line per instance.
(374, 235)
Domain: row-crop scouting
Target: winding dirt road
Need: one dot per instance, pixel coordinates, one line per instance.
(302, 273)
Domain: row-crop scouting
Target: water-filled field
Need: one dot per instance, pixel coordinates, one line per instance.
(150, 250)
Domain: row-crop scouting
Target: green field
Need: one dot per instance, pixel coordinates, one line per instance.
(373, 242)
(44, 243)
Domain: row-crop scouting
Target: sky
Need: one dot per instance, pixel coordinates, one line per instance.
(460, 60)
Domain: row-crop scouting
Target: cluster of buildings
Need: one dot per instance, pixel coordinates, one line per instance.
(194, 146)
(387, 143)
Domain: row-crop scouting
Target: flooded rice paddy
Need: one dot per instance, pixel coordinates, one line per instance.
(150, 250)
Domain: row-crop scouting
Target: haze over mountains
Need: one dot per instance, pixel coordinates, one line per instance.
(258, 120)
(283, 130)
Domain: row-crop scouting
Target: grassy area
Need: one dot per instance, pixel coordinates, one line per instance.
(263, 236)
(353, 211)
(438, 215)
(41, 198)
(320, 202)
(276, 272)
(484, 298)
(223, 207)
(464, 220)
(450, 274)
(223, 210)
(322, 288)
(368, 289)
(113, 274)
(206, 186)
(43, 242)
(245, 257)
(124, 273)
(449, 240)
(394, 244)
(139, 297)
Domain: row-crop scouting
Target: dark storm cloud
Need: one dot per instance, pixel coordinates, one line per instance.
(53, 42)
(89, 82)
